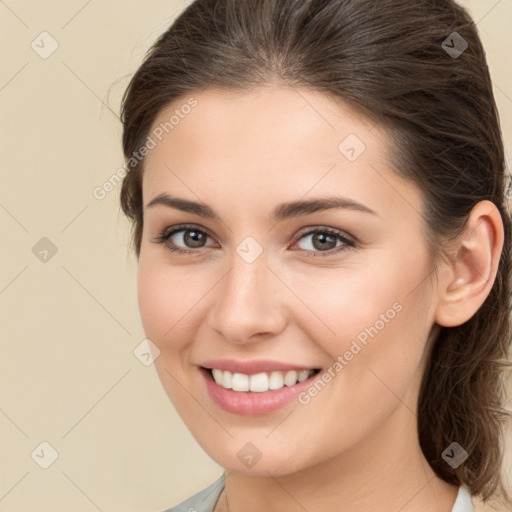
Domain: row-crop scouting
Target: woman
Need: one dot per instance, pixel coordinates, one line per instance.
(318, 205)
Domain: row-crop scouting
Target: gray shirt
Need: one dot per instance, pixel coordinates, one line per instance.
(205, 500)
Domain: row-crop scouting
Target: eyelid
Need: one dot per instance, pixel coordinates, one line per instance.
(164, 236)
(348, 241)
(320, 227)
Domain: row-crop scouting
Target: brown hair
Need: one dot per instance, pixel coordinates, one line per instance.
(394, 62)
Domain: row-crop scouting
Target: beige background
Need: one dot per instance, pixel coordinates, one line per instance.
(68, 374)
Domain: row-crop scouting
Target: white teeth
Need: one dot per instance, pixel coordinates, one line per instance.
(276, 380)
(240, 382)
(303, 375)
(290, 378)
(227, 379)
(259, 382)
(217, 374)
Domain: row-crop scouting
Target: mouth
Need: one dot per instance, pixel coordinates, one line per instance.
(262, 382)
(256, 387)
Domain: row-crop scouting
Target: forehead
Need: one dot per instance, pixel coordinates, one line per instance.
(269, 122)
(267, 143)
(266, 109)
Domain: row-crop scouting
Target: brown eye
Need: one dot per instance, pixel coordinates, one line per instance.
(184, 239)
(325, 240)
(192, 238)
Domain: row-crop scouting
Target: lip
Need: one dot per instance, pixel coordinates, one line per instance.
(253, 366)
(251, 403)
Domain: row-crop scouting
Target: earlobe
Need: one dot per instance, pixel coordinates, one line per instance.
(473, 270)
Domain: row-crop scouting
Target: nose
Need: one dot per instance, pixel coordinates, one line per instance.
(248, 304)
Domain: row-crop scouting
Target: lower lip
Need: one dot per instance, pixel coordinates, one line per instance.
(252, 403)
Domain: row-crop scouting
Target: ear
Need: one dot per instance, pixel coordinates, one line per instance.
(472, 271)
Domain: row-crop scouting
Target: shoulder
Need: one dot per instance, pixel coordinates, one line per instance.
(205, 499)
(202, 501)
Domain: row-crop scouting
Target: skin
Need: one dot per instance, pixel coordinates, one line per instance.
(354, 446)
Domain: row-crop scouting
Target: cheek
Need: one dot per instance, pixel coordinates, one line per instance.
(165, 295)
(344, 302)
(373, 321)
(166, 299)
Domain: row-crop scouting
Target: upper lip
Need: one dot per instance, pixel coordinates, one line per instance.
(253, 366)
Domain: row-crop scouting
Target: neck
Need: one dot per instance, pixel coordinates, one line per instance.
(386, 472)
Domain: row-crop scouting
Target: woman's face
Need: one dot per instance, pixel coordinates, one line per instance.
(338, 286)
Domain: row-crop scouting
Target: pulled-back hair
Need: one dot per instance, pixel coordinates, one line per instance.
(395, 62)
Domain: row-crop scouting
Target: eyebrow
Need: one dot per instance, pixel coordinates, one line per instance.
(281, 212)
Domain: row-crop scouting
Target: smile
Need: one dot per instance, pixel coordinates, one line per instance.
(255, 388)
(259, 382)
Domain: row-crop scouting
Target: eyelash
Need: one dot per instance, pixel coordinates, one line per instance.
(349, 244)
